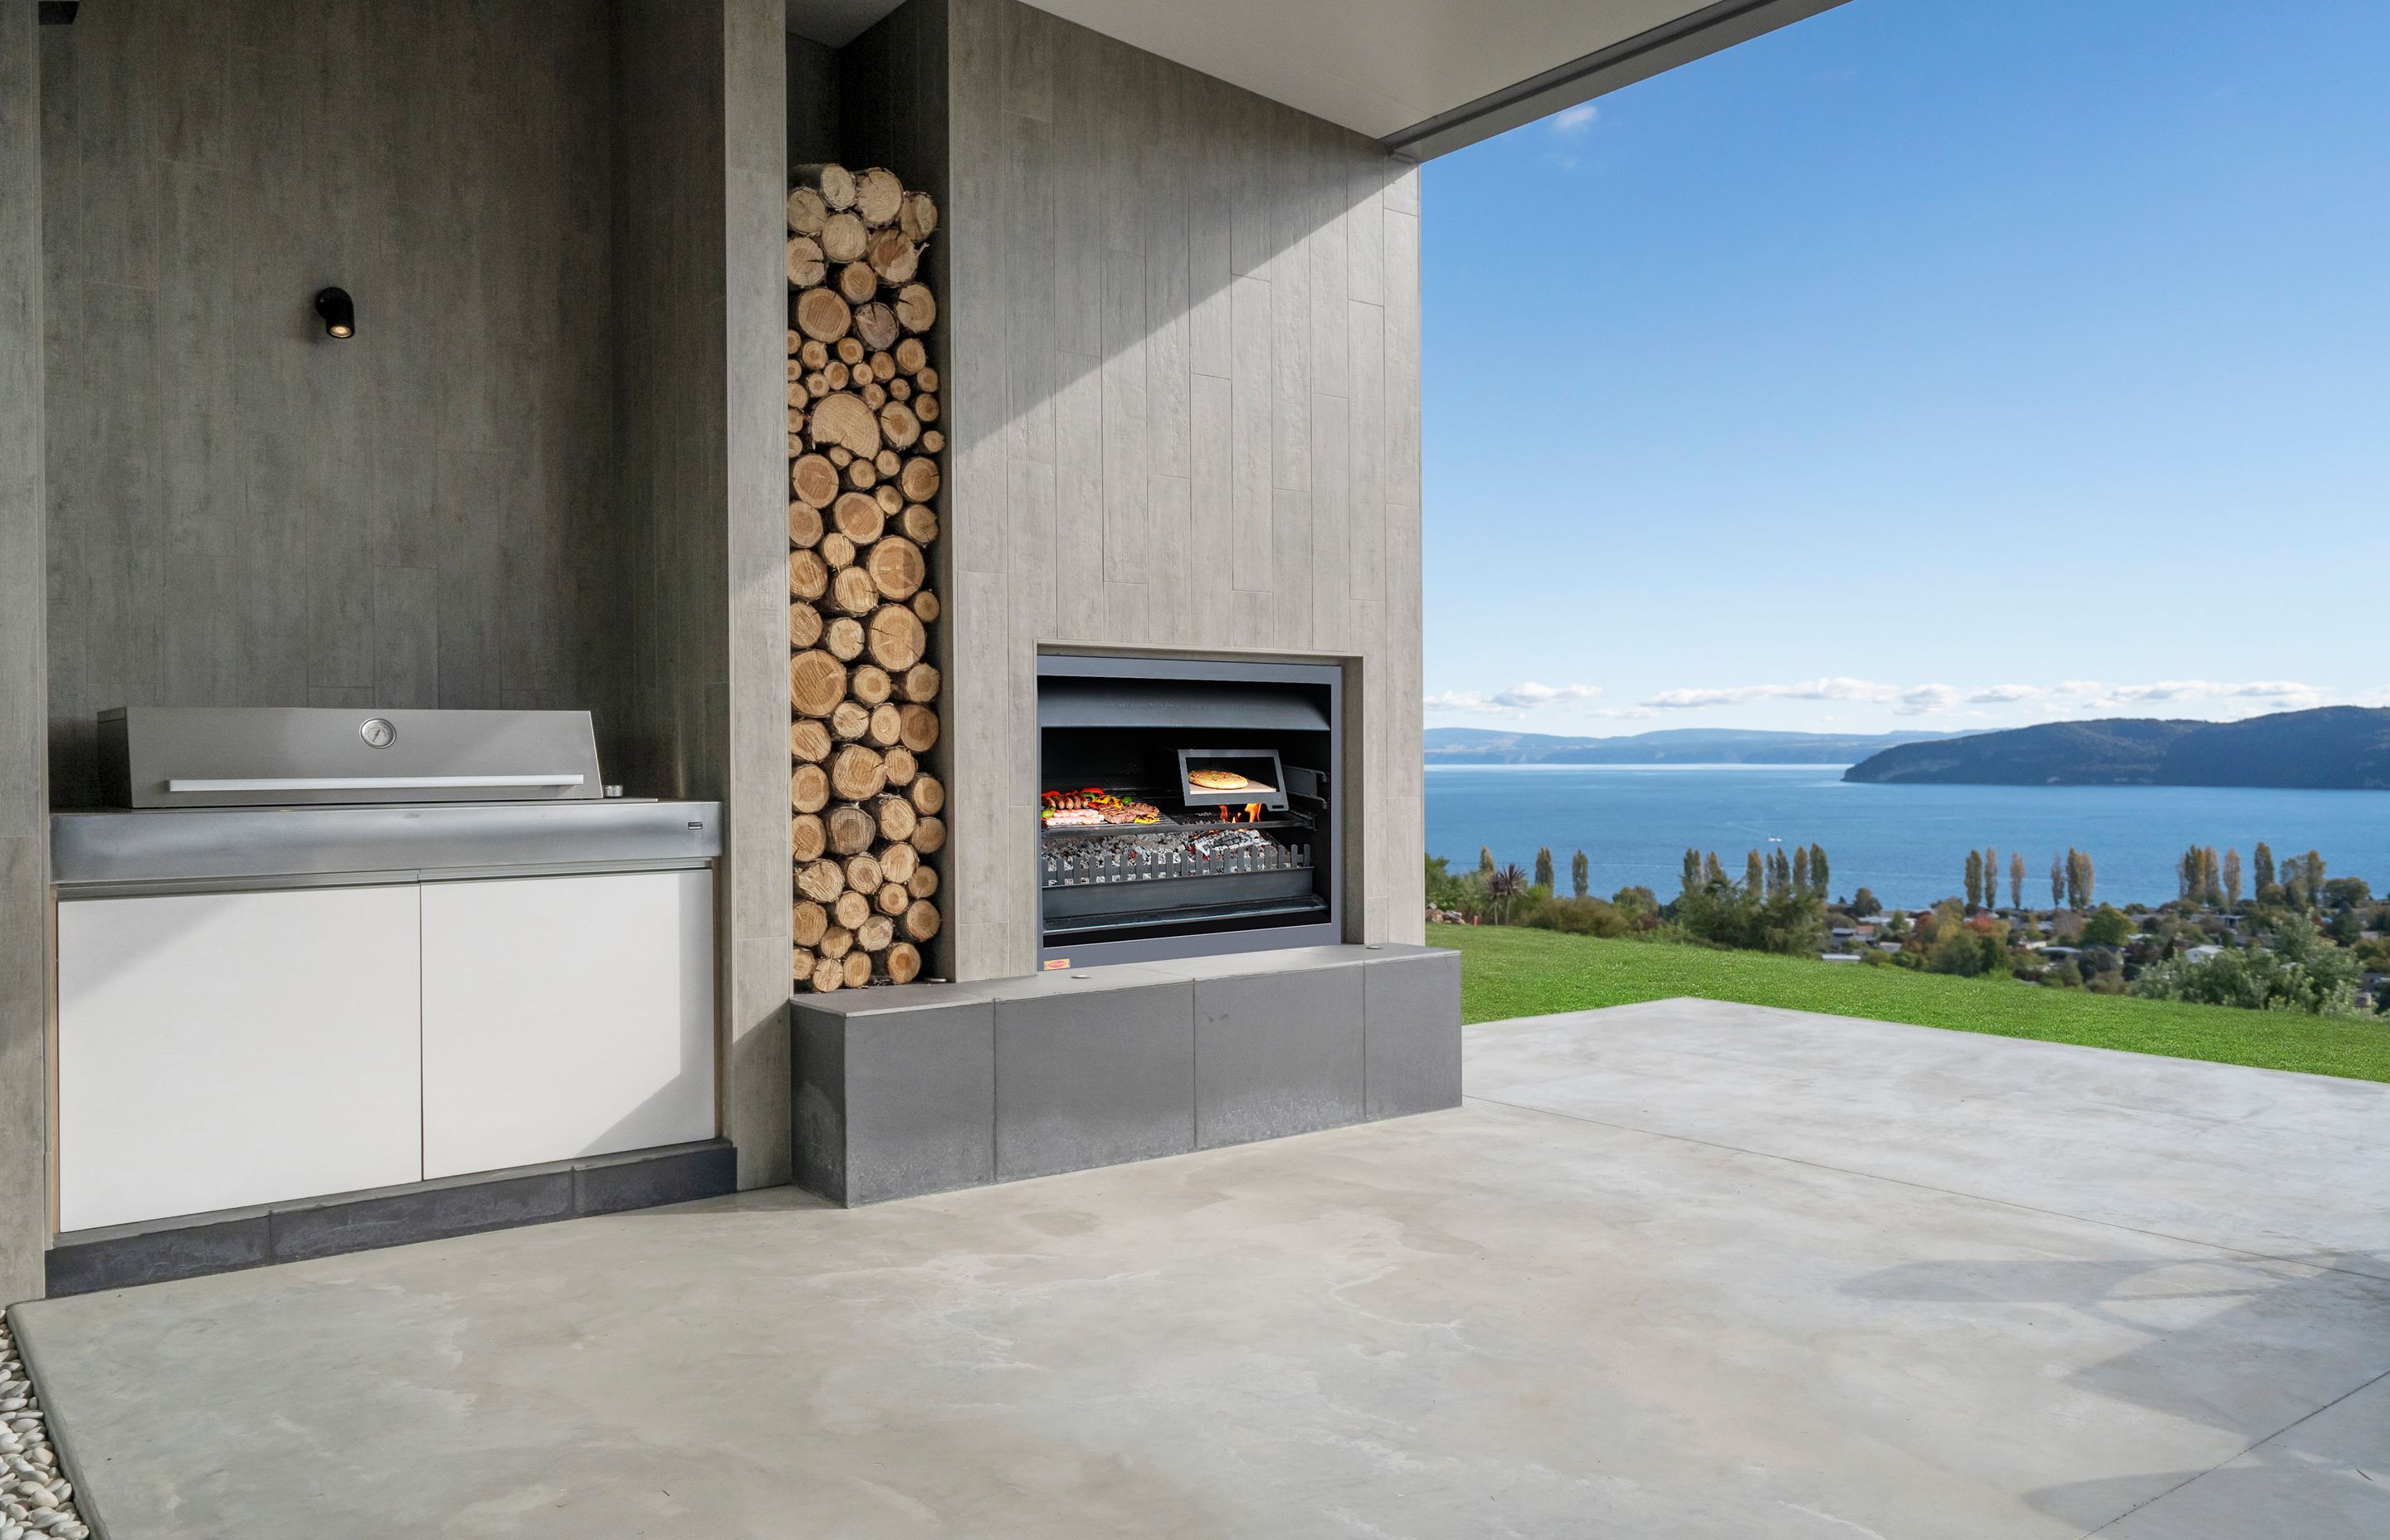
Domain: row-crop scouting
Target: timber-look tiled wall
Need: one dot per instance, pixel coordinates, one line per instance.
(246, 513)
(24, 808)
(1184, 403)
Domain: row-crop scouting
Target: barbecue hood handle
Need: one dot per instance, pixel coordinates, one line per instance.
(365, 783)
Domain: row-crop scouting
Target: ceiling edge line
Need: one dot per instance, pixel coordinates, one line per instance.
(1693, 35)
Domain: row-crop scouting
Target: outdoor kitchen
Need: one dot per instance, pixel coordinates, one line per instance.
(644, 604)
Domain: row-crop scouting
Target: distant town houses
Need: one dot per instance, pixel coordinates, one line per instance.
(2267, 933)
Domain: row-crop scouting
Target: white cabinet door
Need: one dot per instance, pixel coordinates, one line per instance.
(565, 1016)
(217, 1050)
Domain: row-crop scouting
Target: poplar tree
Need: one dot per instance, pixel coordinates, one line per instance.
(2057, 883)
(2311, 878)
(1544, 868)
(1485, 860)
(1974, 879)
(1991, 877)
(1755, 876)
(2232, 879)
(1800, 869)
(1817, 868)
(1581, 871)
(1692, 872)
(1712, 875)
(2211, 878)
(2261, 876)
(2080, 882)
(2016, 880)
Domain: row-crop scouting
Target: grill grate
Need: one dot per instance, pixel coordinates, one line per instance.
(1149, 853)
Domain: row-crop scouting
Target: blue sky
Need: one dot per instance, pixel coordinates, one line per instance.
(1924, 365)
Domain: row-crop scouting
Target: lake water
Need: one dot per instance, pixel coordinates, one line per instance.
(1910, 843)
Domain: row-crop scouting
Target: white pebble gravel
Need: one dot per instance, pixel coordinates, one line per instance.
(36, 1500)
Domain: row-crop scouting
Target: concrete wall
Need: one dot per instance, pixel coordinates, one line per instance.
(244, 512)
(701, 276)
(1184, 400)
(24, 803)
(812, 100)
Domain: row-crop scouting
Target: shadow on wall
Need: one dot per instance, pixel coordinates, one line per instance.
(2246, 1346)
(1195, 310)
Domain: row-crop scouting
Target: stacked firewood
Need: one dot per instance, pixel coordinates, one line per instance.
(863, 484)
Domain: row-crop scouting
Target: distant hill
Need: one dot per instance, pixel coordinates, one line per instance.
(1668, 746)
(2335, 748)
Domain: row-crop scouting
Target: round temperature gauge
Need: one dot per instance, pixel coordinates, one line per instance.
(377, 732)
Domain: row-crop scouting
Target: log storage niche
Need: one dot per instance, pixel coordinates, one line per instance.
(863, 478)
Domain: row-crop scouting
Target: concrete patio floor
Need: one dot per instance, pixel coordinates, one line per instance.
(1679, 1269)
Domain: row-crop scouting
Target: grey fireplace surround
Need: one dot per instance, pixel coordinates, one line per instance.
(924, 1088)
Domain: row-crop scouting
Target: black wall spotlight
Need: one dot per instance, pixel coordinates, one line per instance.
(339, 312)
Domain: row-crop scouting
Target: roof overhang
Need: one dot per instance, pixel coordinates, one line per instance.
(1422, 77)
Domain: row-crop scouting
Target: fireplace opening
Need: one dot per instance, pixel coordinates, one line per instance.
(1187, 805)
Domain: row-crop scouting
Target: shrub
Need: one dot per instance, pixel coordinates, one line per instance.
(2299, 971)
(2107, 926)
(1575, 917)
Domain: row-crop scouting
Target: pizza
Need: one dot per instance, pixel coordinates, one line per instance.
(1216, 780)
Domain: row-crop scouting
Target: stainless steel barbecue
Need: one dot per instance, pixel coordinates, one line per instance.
(281, 756)
(253, 795)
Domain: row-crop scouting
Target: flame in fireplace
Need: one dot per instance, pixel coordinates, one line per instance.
(1251, 813)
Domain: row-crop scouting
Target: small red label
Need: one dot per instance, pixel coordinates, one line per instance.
(1057, 963)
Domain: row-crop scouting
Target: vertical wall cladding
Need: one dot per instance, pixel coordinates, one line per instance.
(24, 810)
(245, 512)
(1184, 409)
(700, 164)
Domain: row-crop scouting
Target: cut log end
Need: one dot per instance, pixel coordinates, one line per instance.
(816, 683)
(842, 420)
(857, 772)
(808, 788)
(823, 316)
(821, 880)
(879, 197)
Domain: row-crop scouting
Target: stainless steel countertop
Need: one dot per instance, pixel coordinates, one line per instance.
(106, 851)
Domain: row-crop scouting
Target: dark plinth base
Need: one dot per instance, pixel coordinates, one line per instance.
(927, 1088)
(84, 1261)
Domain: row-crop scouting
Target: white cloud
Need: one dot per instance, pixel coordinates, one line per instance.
(2226, 700)
(1574, 123)
(2070, 697)
(1925, 699)
(1517, 700)
(1814, 690)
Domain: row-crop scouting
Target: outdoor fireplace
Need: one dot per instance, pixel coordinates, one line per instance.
(1187, 806)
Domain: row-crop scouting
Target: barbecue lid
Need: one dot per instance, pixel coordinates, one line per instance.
(284, 756)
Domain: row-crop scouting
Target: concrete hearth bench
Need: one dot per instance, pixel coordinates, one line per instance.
(927, 1088)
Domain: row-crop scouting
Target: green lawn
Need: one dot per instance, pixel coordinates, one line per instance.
(1507, 971)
